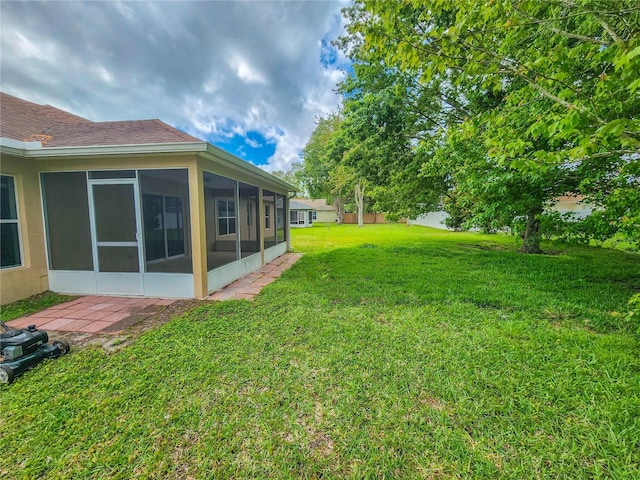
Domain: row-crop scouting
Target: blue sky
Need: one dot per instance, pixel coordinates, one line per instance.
(250, 77)
(251, 146)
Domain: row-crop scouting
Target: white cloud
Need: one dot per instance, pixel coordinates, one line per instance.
(104, 74)
(252, 143)
(244, 72)
(214, 69)
(28, 50)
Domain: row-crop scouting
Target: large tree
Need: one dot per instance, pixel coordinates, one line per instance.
(318, 171)
(383, 119)
(545, 92)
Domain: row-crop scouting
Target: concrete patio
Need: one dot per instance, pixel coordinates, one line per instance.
(111, 315)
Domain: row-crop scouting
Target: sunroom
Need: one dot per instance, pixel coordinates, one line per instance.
(128, 208)
(179, 224)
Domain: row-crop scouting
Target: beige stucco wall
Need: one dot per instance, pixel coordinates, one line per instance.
(31, 277)
(325, 216)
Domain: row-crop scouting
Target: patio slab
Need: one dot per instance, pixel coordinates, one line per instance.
(93, 314)
(251, 284)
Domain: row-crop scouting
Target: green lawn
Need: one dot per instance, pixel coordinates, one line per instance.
(386, 352)
(32, 305)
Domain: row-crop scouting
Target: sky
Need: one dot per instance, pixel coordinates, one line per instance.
(251, 77)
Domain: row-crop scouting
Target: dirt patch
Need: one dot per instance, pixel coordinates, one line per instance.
(134, 326)
(492, 247)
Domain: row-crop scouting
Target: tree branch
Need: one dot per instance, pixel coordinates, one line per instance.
(618, 41)
(576, 36)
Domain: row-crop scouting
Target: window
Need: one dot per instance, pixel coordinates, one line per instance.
(315, 215)
(226, 217)
(9, 228)
(267, 217)
(296, 217)
(269, 202)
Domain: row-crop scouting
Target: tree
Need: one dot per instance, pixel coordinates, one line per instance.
(545, 92)
(382, 120)
(289, 176)
(582, 56)
(320, 159)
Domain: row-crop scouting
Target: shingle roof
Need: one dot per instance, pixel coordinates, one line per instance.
(115, 133)
(26, 121)
(295, 205)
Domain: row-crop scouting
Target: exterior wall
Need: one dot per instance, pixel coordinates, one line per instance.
(153, 283)
(573, 205)
(432, 219)
(198, 231)
(567, 204)
(31, 278)
(326, 216)
(325, 213)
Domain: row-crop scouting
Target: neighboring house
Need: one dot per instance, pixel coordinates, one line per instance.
(127, 208)
(565, 204)
(300, 214)
(575, 205)
(322, 212)
(433, 219)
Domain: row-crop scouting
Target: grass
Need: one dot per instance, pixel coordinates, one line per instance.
(31, 305)
(385, 352)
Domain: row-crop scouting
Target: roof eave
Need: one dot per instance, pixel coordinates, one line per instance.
(36, 151)
(242, 165)
(9, 146)
(177, 147)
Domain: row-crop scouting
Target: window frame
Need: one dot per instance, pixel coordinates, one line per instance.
(218, 218)
(15, 221)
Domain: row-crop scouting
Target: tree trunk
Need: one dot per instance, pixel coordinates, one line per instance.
(338, 204)
(532, 233)
(359, 194)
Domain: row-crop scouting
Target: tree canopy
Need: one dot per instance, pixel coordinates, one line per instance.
(496, 109)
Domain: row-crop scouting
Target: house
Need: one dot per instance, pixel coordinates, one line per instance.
(300, 214)
(322, 212)
(572, 205)
(127, 208)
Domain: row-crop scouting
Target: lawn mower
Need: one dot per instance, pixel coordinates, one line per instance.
(22, 349)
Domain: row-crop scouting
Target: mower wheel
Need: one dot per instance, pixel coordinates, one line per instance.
(63, 346)
(6, 374)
